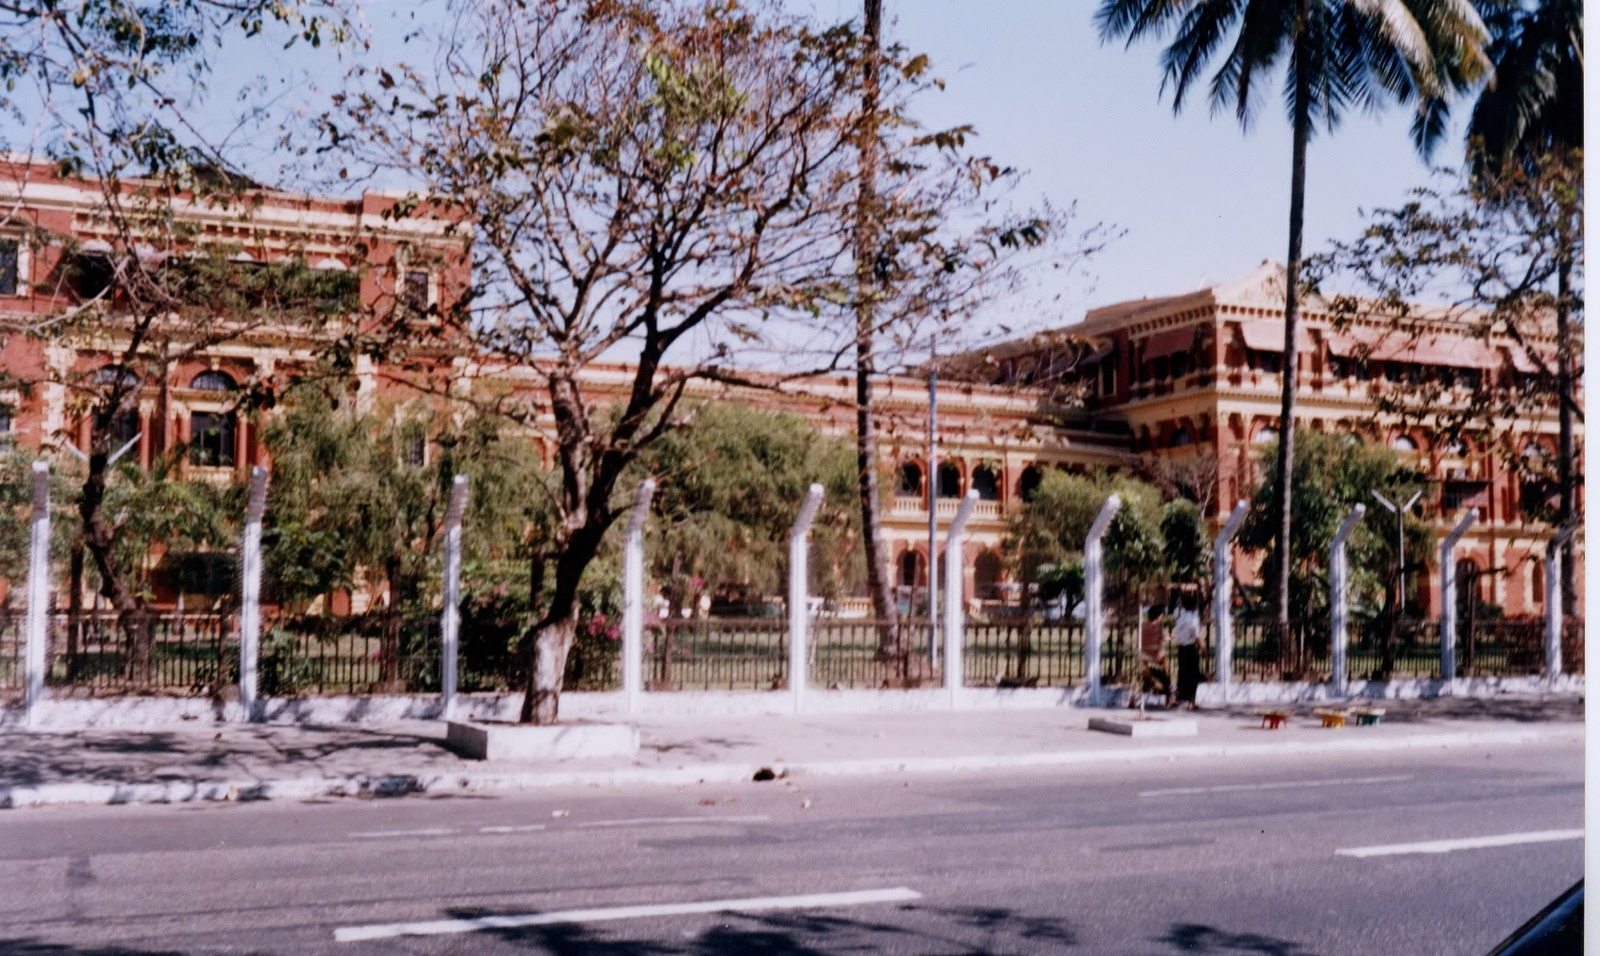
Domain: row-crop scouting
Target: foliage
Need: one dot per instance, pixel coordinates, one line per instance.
(1338, 54)
(1048, 532)
(1535, 104)
(664, 180)
(730, 481)
(1492, 252)
(1333, 473)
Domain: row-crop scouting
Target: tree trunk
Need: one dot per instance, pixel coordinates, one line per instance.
(1283, 496)
(75, 608)
(530, 640)
(389, 650)
(891, 643)
(1564, 457)
(554, 634)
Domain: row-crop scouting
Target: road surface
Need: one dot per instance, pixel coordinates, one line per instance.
(1436, 852)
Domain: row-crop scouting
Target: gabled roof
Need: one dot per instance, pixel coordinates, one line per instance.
(1261, 288)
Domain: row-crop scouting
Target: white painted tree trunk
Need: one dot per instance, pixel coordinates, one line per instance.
(1222, 596)
(954, 627)
(633, 598)
(450, 617)
(1094, 623)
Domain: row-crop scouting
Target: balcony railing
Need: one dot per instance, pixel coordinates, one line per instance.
(985, 511)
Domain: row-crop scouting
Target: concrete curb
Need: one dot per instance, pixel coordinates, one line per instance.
(126, 713)
(188, 791)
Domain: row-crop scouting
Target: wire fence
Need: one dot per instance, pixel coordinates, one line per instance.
(197, 654)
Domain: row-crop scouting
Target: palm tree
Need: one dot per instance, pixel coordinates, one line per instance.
(1533, 109)
(1339, 54)
(1535, 103)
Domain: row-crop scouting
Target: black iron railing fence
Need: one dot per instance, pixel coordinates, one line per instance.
(197, 654)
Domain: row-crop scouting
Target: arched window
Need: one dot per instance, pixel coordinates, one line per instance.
(211, 436)
(116, 375)
(1028, 484)
(949, 481)
(1403, 443)
(910, 565)
(1180, 438)
(213, 382)
(909, 481)
(985, 483)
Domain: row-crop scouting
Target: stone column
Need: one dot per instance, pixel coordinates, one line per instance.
(1093, 593)
(38, 622)
(954, 628)
(250, 592)
(799, 591)
(1447, 595)
(1222, 596)
(450, 618)
(633, 598)
(1338, 600)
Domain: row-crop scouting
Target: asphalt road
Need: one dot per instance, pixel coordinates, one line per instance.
(1186, 857)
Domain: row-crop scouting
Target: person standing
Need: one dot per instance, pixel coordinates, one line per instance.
(1186, 634)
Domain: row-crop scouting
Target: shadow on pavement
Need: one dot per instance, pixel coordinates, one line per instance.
(969, 930)
(107, 756)
(1194, 938)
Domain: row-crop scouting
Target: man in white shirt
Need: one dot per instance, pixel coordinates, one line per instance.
(1186, 634)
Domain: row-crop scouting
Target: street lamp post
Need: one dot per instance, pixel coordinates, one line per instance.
(1399, 512)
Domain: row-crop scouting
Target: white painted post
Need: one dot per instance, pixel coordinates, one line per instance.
(1094, 623)
(1222, 596)
(450, 617)
(38, 590)
(633, 597)
(250, 597)
(954, 630)
(1447, 588)
(1552, 600)
(1339, 600)
(799, 591)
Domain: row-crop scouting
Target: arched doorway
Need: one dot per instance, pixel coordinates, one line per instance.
(986, 576)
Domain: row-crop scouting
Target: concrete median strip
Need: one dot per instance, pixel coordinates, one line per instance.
(302, 788)
(443, 927)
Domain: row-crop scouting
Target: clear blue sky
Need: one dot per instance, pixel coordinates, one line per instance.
(1199, 199)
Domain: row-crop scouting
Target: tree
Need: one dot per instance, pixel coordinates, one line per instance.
(1340, 53)
(106, 92)
(1499, 260)
(663, 179)
(1332, 474)
(1050, 527)
(729, 483)
(359, 498)
(1525, 122)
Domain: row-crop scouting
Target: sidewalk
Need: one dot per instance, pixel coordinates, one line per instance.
(274, 761)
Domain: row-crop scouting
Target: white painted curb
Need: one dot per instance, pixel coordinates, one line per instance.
(398, 784)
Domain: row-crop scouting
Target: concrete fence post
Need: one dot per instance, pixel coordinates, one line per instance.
(1094, 622)
(633, 597)
(250, 591)
(1339, 600)
(954, 628)
(450, 617)
(1552, 599)
(1222, 596)
(38, 623)
(1447, 590)
(799, 592)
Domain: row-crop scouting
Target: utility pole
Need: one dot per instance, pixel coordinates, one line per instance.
(933, 503)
